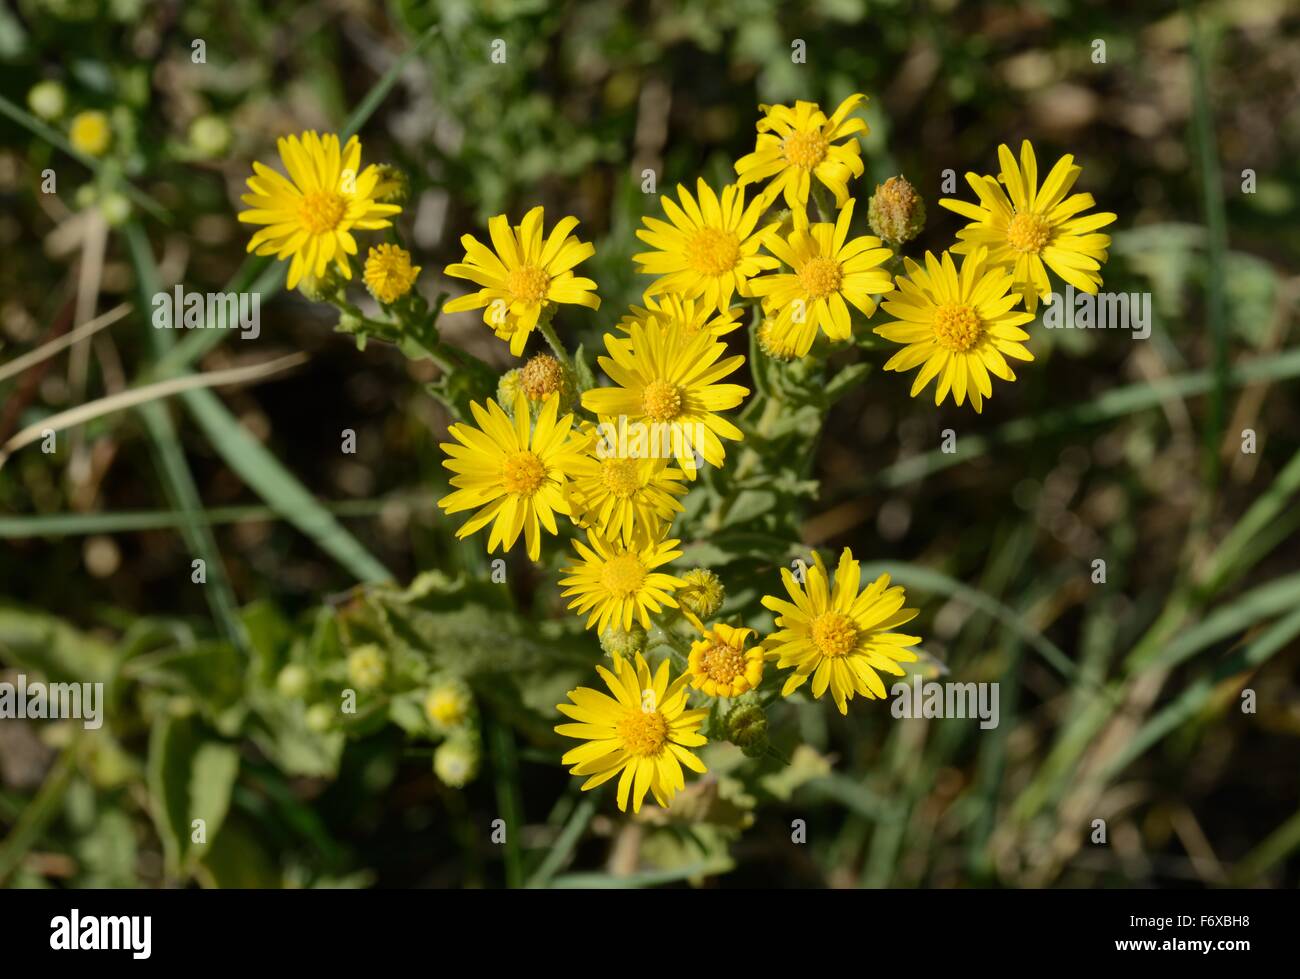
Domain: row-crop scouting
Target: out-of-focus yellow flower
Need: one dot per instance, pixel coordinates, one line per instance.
(641, 734)
(959, 328)
(91, 133)
(389, 273)
(511, 471)
(523, 275)
(827, 269)
(710, 251)
(838, 636)
(797, 144)
(1030, 229)
(721, 666)
(617, 583)
(310, 215)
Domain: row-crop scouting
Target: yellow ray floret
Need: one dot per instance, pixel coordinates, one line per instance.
(642, 734)
(1029, 228)
(828, 272)
(710, 250)
(691, 316)
(523, 276)
(669, 389)
(617, 583)
(796, 144)
(511, 472)
(838, 636)
(311, 214)
(958, 328)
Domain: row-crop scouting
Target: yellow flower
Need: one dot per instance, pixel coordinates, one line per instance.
(513, 474)
(837, 636)
(1037, 226)
(448, 704)
(668, 386)
(367, 667)
(958, 328)
(687, 315)
(389, 273)
(90, 133)
(311, 214)
(795, 145)
(642, 733)
(617, 583)
(526, 277)
(827, 269)
(624, 496)
(710, 250)
(720, 664)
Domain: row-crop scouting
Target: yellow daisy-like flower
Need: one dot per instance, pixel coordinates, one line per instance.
(668, 385)
(687, 315)
(642, 733)
(514, 475)
(311, 214)
(721, 666)
(526, 276)
(624, 495)
(710, 250)
(91, 133)
(1036, 228)
(389, 273)
(795, 145)
(837, 636)
(616, 582)
(958, 328)
(827, 269)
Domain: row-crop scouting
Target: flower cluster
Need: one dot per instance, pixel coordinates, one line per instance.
(612, 466)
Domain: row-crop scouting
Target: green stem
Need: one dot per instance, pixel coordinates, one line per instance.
(548, 331)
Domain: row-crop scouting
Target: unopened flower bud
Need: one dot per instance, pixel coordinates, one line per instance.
(47, 99)
(773, 344)
(319, 718)
(746, 726)
(210, 136)
(448, 704)
(623, 642)
(393, 187)
(293, 681)
(896, 212)
(703, 594)
(367, 667)
(508, 389)
(456, 761)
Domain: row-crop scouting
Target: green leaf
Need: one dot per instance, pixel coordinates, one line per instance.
(189, 777)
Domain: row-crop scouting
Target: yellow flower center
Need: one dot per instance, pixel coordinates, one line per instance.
(661, 400)
(623, 576)
(643, 732)
(820, 277)
(446, 707)
(622, 477)
(956, 327)
(834, 634)
(722, 663)
(522, 473)
(321, 211)
(712, 252)
(1028, 233)
(805, 149)
(528, 283)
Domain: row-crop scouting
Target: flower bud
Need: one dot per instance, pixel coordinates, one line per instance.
(47, 99)
(449, 704)
(456, 760)
(393, 187)
(115, 208)
(703, 594)
(773, 344)
(293, 681)
(367, 667)
(896, 212)
(543, 376)
(319, 718)
(623, 642)
(746, 726)
(322, 289)
(210, 136)
(508, 388)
